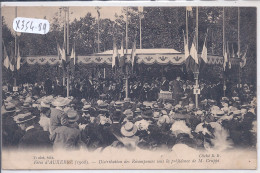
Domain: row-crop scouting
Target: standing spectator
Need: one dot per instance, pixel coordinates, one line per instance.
(48, 86)
(67, 137)
(58, 116)
(33, 137)
(177, 90)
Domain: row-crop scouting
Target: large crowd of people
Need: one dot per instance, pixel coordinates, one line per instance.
(97, 116)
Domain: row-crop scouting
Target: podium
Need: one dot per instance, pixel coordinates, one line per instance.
(165, 95)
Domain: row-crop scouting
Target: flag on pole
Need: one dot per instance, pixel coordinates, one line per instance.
(63, 54)
(189, 10)
(204, 53)
(193, 51)
(228, 56)
(243, 59)
(18, 66)
(73, 54)
(6, 59)
(12, 61)
(225, 58)
(192, 62)
(114, 56)
(122, 55)
(98, 13)
(59, 51)
(133, 56)
(233, 52)
(141, 9)
(186, 48)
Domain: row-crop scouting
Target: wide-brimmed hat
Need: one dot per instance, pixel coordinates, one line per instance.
(211, 101)
(156, 115)
(72, 115)
(199, 112)
(205, 101)
(168, 106)
(163, 112)
(83, 101)
(28, 100)
(8, 99)
(142, 124)
(224, 99)
(10, 107)
(155, 106)
(46, 100)
(235, 98)
(102, 105)
(118, 104)
(138, 111)
(44, 105)
(103, 110)
(220, 113)
(128, 112)
(163, 120)
(103, 95)
(86, 108)
(237, 112)
(22, 118)
(178, 106)
(26, 104)
(127, 99)
(245, 106)
(104, 120)
(61, 101)
(128, 129)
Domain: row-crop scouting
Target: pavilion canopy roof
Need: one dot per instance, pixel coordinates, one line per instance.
(144, 51)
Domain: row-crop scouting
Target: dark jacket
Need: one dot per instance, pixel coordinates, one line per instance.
(165, 86)
(35, 138)
(66, 138)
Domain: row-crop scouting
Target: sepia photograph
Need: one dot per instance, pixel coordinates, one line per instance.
(129, 87)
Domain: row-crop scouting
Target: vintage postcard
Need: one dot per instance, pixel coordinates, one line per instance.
(164, 86)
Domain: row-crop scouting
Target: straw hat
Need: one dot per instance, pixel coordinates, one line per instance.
(86, 108)
(138, 111)
(128, 112)
(8, 99)
(163, 120)
(61, 101)
(220, 113)
(156, 115)
(26, 105)
(128, 129)
(127, 99)
(22, 118)
(199, 112)
(102, 104)
(104, 120)
(163, 112)
(168, 106)
(10, 107)
(103, 95)
(28, 100)
(72, 115)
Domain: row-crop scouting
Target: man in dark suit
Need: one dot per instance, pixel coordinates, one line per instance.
(34, 137)
(165, 84)
(48, 86)
(177, 90)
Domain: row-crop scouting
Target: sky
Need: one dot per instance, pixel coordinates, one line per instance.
(49, 12)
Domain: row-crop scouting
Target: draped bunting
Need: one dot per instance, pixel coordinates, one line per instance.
(148, 59)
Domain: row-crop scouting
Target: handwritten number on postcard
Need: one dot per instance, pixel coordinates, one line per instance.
(30, 25)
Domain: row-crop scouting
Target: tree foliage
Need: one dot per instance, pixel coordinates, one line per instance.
(161, 27)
